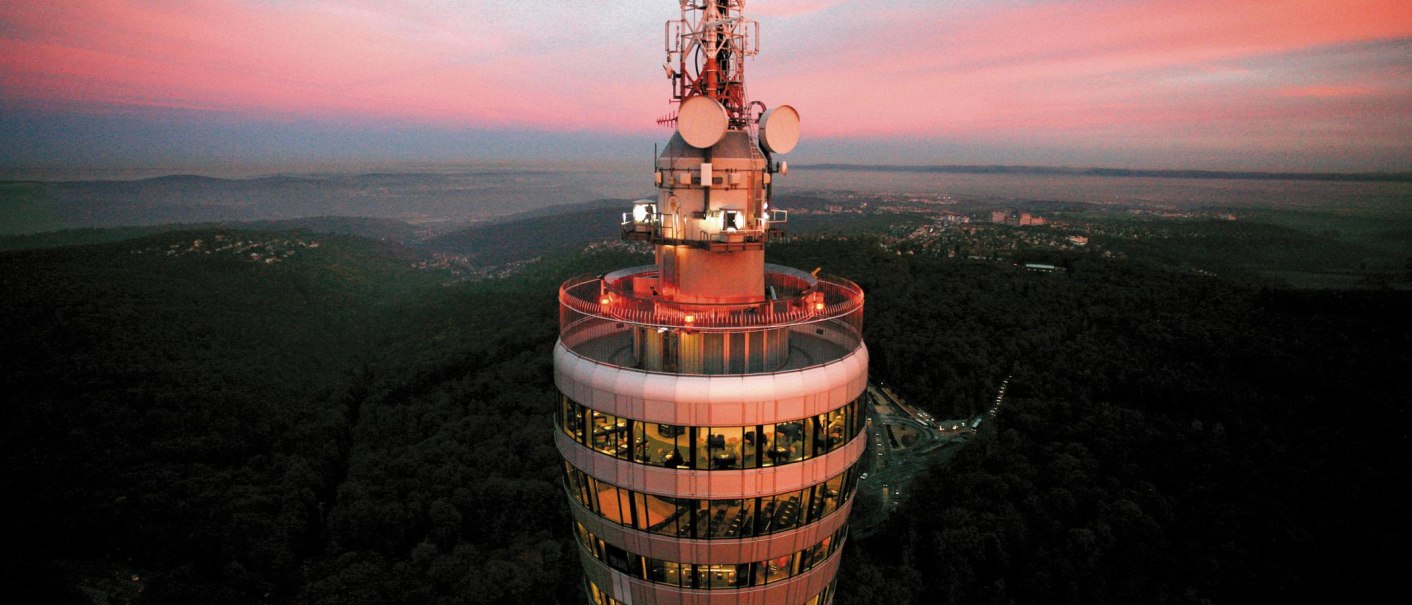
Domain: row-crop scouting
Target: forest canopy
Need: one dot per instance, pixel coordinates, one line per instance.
(338, 426)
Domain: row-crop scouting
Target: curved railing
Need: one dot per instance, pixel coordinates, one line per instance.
(578, 332)
(800, 298)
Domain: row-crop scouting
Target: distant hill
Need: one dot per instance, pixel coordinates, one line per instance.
(534, 235)
(612, 207)
(474, 195)
(371, 228)
(556, 228)
(1400, 177)
(492, 241)
(802, 201)
(80, 237)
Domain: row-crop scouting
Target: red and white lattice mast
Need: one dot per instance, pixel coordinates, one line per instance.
(706, 51)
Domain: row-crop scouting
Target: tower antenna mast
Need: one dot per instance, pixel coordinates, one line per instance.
(706, 51)
(712, 411)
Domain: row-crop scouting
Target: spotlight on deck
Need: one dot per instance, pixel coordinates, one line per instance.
(732, 221)
(643, 212)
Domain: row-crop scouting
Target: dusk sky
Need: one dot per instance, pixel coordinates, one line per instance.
(1215, 84)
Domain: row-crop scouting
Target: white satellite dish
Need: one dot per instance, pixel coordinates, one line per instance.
(702, 121)
(779, 129)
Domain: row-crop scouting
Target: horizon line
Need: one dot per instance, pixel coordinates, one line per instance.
(444, 168)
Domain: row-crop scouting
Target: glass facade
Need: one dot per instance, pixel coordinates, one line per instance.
(708, 519)
(600, 597)
(709, 576)
(710, 448)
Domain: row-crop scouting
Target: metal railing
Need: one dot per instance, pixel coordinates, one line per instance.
(664, 227)
(800, 298)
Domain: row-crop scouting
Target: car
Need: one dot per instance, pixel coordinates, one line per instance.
(863, 476)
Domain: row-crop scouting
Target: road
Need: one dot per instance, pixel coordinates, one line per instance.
(890, 466)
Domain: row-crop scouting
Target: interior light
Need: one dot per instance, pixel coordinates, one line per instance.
(731, 221)
(716, 220)
(689, 318)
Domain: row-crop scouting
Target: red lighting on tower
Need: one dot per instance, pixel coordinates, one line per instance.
(710, 418)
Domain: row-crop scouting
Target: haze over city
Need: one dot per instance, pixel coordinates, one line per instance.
(224, 86)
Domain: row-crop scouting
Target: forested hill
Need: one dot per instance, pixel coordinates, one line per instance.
(370, 228)
(534, 234)
(1168, 437)
(303, 418)
(277, 417)
(470, 194)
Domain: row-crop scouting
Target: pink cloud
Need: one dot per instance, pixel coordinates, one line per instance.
(1327, 91)
(1079, 67)
(1084, 68)
(791, 8)
(292, 59)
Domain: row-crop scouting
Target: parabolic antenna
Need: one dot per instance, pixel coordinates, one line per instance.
(779, 129)
(702, 121)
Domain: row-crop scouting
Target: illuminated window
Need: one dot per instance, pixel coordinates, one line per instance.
(713, 576)
(710, 448)
(709, 519)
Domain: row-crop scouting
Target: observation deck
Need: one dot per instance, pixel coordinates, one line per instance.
(620, 319)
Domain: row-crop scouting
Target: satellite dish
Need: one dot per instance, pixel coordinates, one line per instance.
(702, 121)
(779, 129)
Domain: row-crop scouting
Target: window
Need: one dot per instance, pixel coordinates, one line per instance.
(708, 519)
(601, 598)
(709, 448)
(712, 576)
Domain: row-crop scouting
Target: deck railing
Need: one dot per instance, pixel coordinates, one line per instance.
(800, 298)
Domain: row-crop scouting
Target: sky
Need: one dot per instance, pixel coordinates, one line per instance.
(277, 85)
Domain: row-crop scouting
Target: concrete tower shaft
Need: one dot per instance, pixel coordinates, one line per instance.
(710, 416)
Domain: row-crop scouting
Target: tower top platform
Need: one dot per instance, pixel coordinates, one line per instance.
(793, 298)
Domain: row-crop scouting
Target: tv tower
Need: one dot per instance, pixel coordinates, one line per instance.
(710, 413)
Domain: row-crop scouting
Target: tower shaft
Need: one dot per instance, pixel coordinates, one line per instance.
(710, 415)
